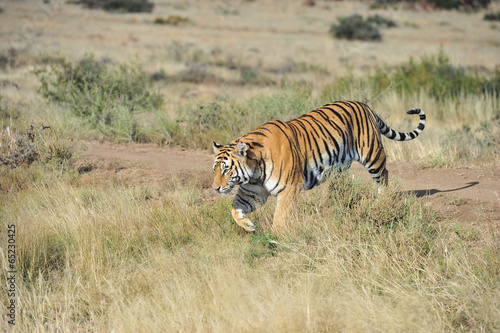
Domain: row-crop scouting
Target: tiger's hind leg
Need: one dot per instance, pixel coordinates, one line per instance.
(378, 171)
(248, 199)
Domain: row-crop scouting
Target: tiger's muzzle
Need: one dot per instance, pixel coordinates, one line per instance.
(223, 190)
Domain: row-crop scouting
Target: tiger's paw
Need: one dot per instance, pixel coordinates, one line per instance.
(247, 225)
(243, 221)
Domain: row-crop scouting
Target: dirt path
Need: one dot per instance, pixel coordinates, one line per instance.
(464, 195)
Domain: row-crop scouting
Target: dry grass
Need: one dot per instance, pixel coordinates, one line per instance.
(124, 258)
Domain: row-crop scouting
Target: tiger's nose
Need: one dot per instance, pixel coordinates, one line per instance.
(216, 189)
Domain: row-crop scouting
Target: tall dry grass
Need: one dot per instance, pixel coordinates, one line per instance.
(115, 257)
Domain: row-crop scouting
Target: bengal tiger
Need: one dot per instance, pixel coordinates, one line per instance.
(281, 158)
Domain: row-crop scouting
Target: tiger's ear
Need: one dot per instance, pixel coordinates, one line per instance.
(217, 147)
(242, 149)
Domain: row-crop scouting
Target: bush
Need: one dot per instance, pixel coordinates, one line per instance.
(380, 21)
(455, 4)
(125, 6)
(355, 27)
(437, 76)
(200, 122)
(441, 4)
(434, 75)
(105, 97)
(35, 144)
(492, 16)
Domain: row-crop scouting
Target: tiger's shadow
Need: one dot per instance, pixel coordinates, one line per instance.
(431, 192)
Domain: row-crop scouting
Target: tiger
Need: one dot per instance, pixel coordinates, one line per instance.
(282, 158)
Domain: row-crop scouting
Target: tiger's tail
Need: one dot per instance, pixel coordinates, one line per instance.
(398, 136)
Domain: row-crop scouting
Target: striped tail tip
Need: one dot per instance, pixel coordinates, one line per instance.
(415, 111)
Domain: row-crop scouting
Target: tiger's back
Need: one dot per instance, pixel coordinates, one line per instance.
(280, 158)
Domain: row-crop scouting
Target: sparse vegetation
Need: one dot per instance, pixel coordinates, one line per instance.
(455, 201)
(196, 73)
(355, 27)
(436, 161)
(434, 75)
(106, 98)
(123, 6)
(380, 21)
(440, 4)
(34, 144)
(171, 20)
(492, 16)
(466, 233)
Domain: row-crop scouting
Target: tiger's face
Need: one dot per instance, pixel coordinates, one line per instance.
(230, 167)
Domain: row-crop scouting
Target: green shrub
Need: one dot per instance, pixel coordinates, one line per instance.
(105, 97)
(454, 4)
(441, 4)
(492, 16)
(125, 6)
(202, 122)
(435, 75)
(381, 22)
(199, 122)
(355, 27)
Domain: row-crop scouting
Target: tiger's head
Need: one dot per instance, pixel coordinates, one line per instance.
(233, 166)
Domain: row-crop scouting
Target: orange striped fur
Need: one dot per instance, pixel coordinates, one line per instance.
(282, 158)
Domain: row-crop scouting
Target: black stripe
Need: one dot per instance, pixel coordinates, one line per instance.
(258, 133)
(279, 178)
(336, 114)
(304, 132)
(325, 117)
(244, 202)
(355, 113)
(315, 141)
(263, 172)
(368, 156)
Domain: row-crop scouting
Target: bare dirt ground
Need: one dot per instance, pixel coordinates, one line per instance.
(463, 196)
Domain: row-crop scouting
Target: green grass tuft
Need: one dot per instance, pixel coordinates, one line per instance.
(107, 98)
(434, 75)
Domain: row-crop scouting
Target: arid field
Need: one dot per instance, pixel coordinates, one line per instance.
(109, 222)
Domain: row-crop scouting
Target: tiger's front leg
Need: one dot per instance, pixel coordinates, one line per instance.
(285, 202)
(249, 198)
